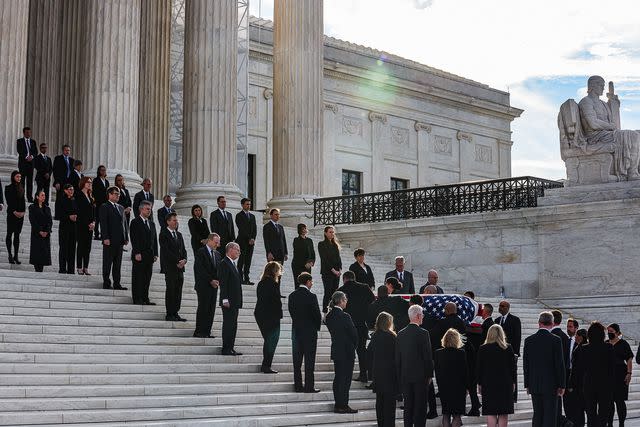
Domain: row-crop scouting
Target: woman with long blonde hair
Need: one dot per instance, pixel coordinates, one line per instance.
(452, 376)
(496, 377)
(381, 358)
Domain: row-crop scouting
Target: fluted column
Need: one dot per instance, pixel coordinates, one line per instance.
(297, 106)
(210, 104)
(153, 114)
(43, 71)
(109, 127)
(14, 21)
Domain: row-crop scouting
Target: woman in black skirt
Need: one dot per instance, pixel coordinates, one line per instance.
(67, 231)
(303, 254)
(85, 225)
(452, 377)
(268, 312)
(622, 372)
(330, 264)
(41, 223)
(381, 357)
(16, 209)
(198, 229)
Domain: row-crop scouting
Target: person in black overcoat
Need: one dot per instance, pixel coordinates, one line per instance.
(622, 372)
(453, 377)
(144, 252)
(165, 210)
(198, 229)
(99, 189)
(205, 270)
(362, 271)
(221, 223)
(304, 256)
(67, 232)
(275, 242)
(115, 235)
(41, 223)
(247, 232)
(144, 194)
(44, 168)
(450, 321)
(396, 306)
(305, 324)
(359, 298)
(230, 297)
(404, 277)
(268, 312)
(27, 151)
(344, 340)
(16, 209)
(125, 196)
(85, 224)
(381, 355)
(496, 374)
(62, 170)
(173, 258)
(330, 264)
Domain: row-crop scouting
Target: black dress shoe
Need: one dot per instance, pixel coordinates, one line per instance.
(236, 353)
(120, 288)
(267, 370)
(11, 261)
(106, 287)
(345, 410)
(312, 390)
(170, 318)
(149, 303)
(299, 390)
(138, 303)
(432, 415)
(361, 379)
(228, 353)
(210, 336)
(15, 259)
(199, 335)
(180, 319)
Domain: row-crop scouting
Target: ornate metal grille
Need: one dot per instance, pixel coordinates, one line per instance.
(452, 199)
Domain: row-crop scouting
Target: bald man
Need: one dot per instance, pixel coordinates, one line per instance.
(432, 280)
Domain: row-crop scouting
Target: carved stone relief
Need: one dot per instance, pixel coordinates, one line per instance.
(484, 154)
(442, 145)
(400, 136)
(351, 126)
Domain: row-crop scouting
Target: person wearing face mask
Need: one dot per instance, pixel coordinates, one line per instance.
(623, 369)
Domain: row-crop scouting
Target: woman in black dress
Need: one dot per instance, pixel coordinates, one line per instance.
(41, 223)
(85, 223)
(99, 191)
(496, 377)
(381, 355)
(198, 228)
(330, 264)
(268, 312)
(452, 377)
(16, 209)
(622, 373)
(362, 271)
(125, 196)
(304, 256)
(67, 231)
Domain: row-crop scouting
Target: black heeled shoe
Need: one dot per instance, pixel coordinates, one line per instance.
(11, 261)
(15, 259)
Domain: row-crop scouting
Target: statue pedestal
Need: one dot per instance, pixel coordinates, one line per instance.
(589, 169)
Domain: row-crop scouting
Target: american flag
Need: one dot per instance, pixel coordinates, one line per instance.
(433, 306)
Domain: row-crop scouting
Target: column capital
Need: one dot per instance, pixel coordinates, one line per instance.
(267, 93)
(464, 136)
(332, 107)
(418, 126)
(377, 117)
(504, 142)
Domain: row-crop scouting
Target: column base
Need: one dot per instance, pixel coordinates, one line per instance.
(205, 195)
(132, 180)
(8, 163)
(293, 211)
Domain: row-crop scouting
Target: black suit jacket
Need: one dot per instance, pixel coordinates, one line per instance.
(593, 368)
(199, 231)
(329, 258)
(14, 203)
(23, 165)
(359, 297)
(223, 226)
(230, 283)
(247, 228)
(443, 325)
(268, 310)
(344, 337)
(381, 359)
(99, 190)
(513, 331)
(275, 241)
(162, 215)
(543, 363)
(564, 338)
(205, 268)
(113, 224)
(125, 199)
(171, 252)
(488, 322)
(86, 212)
(304, 311)
(414, 360)
(60, 170)
(139, 197)
(363, 275)
(144, 241)
(303, 252)
(395, 306)
(407, 281)
(43, 167)
(74, 179)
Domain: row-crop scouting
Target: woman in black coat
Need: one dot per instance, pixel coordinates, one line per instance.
(99, 191)
(41, 223)
(268, 312)
(330, 264)
(381, 356)
(496, 373)
(362, 271)
(198, 228)
(622, 372)
(453, 377)
(304, 256)
(125, 196)
(67, 232)
(16, 209)
(85, 224)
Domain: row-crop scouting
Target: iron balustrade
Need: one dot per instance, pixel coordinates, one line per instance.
(440, 200)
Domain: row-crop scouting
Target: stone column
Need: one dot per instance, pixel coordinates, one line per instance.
(504, 158)
(379, 178)
(423, 130)
(332, 184)
(465, 154)
(14, 21)
(109, 126)
(210, 103)
(43, 72)
(153, 102)
(297, 106)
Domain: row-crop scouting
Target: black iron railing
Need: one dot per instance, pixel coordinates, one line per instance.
(439, 200)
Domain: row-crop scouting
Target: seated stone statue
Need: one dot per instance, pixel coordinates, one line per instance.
(592, 145)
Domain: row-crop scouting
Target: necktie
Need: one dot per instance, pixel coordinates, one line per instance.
(502, 320)
(146, 224)
(28, 146)
(66, 160)
(146, 195)
(175, 236)
(401, 276)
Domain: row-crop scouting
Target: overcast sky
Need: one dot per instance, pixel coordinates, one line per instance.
(540, 51)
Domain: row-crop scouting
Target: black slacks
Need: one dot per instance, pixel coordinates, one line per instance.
(271, 337)
(597, 404)
(431, 399)
(342, 381)
(305, 344)
(67, 241)
(386, 409)
(84, 248)
(330, 283)
(229, 328)
(244, 262)
(415, 404)
(27, 179)
(206, 310)
(574, 407)
(361, 350)
(545, 410)
(44, 186)
(14, 228)
(173, 292)
(111, 264)
(140, 279)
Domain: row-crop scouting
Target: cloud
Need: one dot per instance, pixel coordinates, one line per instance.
(422, 4)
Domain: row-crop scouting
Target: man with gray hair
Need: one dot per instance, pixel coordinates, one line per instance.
(432, 280)
(144, 252)
(404, 277)
(544, 372)
(230, 284)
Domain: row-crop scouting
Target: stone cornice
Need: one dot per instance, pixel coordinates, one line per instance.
(418, 126)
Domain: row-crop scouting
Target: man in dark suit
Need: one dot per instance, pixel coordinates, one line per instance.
(76, 176)
(404, 277)
(230, 297)
(221, 222)
(173, 258)
(564, 338)
(205, 270)
(432, 280)
(305, 319)
(451, 320)
(544, 372)
(359, 297)
(512, 330)
(165, 210)
(27, 151)
(487, 312)
(144, 194)
(44, 168)
(144, 252)
(114, 238)
(62, 170)
(344, 340)
(247, 231)
(414, 363)
(275, 242)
